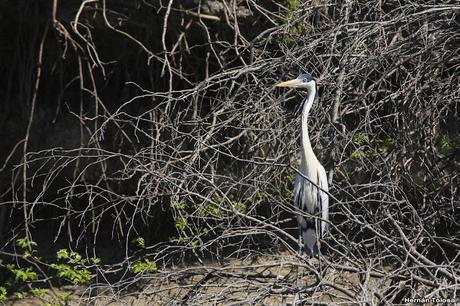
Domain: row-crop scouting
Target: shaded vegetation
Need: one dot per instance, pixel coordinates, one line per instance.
(141, 134)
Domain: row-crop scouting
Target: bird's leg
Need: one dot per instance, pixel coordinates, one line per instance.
(320, 267)
(300, 242)
(299, 255)
(319, 261)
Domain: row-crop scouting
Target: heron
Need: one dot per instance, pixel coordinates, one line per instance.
(310, 186)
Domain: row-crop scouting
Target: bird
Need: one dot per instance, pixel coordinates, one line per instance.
(311, 186)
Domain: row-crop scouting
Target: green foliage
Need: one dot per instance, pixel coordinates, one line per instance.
(209, 209)
(22, 274)
(20, 294)
(239, 206)
(259, 196)
(3, 296)
(26, 243)
(27, 254)
(287, 193)
(373, 146)
(95, 260)
(39, 292)
(146, 266)
(385, 145)
(358, 154)
(64, 297)
(294, 28)
(139, 241)
(360, 138)
(75, 258)
(190, 242)
(181, 240)
(70, 270)
(181, 205)
(75, 275)
(293, 5)
(62, 254)
(181, 223)
(293, 31)
(446, 143)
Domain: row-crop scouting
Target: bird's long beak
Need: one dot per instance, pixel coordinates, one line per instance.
(291, 83)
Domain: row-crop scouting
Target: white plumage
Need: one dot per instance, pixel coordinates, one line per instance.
(310, 187)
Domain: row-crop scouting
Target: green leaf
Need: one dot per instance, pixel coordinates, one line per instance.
(20, 294)
(3, 296)
(181, 205)
(239, 206)
(25, 243)
(76, 258)
(65, 297)
(446, 143)
(144, 266)
(96, 260)
(181, 223)
(360, 138)
(62, 254)
(385, 145)
(75, 275)
(39, 292)
(140, 242)
(23, 275)
(358, 154)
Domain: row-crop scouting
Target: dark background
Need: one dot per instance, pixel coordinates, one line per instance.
(115, 125)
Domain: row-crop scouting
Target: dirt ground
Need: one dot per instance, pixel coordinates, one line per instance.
(266, 280)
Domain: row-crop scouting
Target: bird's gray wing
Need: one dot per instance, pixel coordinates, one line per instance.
(323, 198)
(299, 200)
(297, 191)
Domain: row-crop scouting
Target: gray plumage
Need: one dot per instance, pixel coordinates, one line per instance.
(312, 202)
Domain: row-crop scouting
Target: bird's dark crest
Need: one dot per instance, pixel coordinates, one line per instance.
(306, 77)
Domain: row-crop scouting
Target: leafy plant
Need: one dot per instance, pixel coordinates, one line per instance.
(64, 297)
(385, 145)
(62, 254)
(210, 209)
(446, 143)
(3, 296)
(181, 205)
(360, 138)
(26, 243)
(75, 275)
(361, 154)
(140, 242)
(23, 274)
(376, 146)
(239, 206)
(287, 193)
(20, 294)
(70, 270)
(144, 266)
(39, 292)
(181, 223)
(291, 177)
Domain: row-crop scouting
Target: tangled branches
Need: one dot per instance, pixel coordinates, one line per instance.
(167, 151)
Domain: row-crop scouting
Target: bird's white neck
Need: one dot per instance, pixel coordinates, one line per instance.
(305, 140)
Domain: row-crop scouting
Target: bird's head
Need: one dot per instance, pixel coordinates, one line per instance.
(304, 80)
